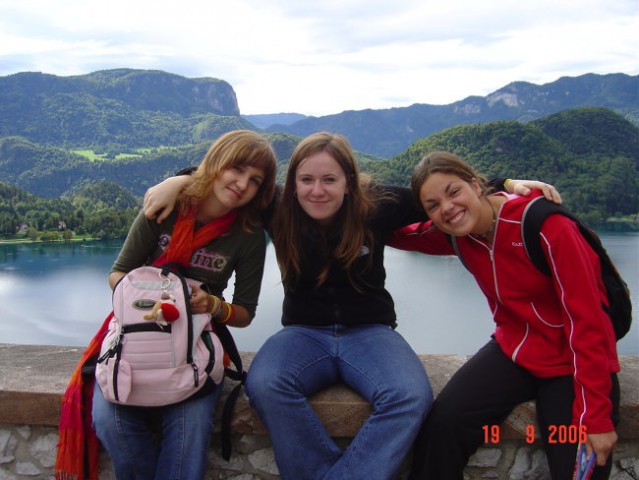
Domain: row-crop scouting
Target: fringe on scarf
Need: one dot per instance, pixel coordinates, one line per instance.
(78, 446)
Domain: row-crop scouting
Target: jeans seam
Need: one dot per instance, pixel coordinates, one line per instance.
(118, 427)
(308, 410)
(181, 428)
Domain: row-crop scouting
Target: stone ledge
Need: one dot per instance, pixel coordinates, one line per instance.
(33, 379)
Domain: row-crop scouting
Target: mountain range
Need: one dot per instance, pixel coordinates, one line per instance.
(388, 132)
(126, 109)
(74, 138)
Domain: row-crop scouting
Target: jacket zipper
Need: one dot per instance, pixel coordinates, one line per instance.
(516, 351)
(491, 251)
(492, 254)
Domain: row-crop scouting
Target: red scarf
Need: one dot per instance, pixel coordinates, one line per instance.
(185, 240)
(78, 447)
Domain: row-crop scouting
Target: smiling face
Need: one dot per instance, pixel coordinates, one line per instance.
(233, 188)
(320, 185)
(453, 204)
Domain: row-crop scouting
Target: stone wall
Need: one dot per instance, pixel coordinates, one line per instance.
(33, 378)
(28, 452)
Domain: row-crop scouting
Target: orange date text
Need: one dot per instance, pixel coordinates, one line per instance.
(557, 434)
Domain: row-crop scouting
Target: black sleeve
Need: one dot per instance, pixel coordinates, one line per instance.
(186, 171)
(397, 208)
(497, 184)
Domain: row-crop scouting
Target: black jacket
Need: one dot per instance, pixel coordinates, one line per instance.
(337, 301)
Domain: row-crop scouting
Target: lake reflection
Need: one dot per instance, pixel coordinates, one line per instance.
(58, 294)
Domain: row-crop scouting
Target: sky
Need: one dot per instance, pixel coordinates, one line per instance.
(324, 57)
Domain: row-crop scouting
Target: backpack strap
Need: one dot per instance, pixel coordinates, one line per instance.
(238, 375)
(453, 242)
(534, 215)
(620, 310)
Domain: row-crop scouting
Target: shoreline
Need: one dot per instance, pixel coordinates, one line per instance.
(24, 241)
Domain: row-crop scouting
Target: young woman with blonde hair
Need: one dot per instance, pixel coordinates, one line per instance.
(215, 232)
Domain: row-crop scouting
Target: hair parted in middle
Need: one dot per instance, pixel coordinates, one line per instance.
(350, 222)
(238, 148)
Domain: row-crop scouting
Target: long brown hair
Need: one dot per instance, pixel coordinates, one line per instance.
(239, 148)
(290, 220)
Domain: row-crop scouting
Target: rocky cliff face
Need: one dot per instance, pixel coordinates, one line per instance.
(161, 91)
(149, 90)
(124, 107)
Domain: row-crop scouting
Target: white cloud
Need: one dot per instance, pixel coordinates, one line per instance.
(320, 58)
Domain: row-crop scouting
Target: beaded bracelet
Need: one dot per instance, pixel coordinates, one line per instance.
(216, 306)
(229, 314)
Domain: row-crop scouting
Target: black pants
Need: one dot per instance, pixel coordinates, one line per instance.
(482, 393)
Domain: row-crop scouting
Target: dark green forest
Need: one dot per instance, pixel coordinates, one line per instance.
(102, 210)
(590, 154)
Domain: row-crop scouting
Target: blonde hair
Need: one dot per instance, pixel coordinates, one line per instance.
(351, 221)
(239, 148)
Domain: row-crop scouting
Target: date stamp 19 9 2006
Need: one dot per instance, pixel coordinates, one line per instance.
(561, 434)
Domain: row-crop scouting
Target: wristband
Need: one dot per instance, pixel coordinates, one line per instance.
(506, 183)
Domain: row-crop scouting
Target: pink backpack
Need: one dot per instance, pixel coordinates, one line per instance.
(156, 352)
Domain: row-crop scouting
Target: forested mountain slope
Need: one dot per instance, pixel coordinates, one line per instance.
(590, 154)
(122, 110)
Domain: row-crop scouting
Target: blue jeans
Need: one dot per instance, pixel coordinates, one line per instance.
(373, 360)
(147, 443)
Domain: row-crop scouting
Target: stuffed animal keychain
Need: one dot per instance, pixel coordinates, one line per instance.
(164, 310)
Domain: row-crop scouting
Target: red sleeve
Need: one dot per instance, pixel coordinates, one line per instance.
(421, 237)
(591, 340)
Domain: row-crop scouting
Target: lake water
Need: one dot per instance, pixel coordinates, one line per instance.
(57, 294)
